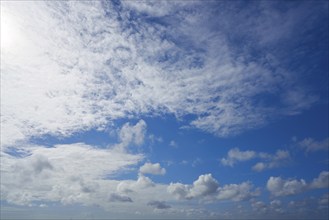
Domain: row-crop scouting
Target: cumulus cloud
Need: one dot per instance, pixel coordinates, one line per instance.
(280, 158)
(132, 133)
(159, 204)
(281, 187)
(205, 185)
(59, 173)
(237, 192)
(322, 181)
(70, 67)
(235, 155)
(259, 206)
(268, 161)
(155, 169)
(142, 182)
(208, 188)
(179, 190)
(67, 173)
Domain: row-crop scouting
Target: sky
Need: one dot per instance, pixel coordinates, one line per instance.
(164, 109)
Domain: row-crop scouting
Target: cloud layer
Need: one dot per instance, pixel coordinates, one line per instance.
(71, 68)
(109, 63)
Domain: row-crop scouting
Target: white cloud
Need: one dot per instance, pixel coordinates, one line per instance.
(132, 134)
(280, 158)
(260, 166)
(94, 68)
(322, 181)
(155, 169)
(239, 192)
(259, 207)
(311, 145)
(235, 155)
(208, 188)
(65, 173)
(204, 186)
(179, 190)
(69, 173)
(76, 66)
(268, 161)
(280, 187)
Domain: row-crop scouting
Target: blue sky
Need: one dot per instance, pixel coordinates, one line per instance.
(164, 109)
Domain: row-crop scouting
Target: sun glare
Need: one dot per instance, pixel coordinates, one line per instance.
(9, 30)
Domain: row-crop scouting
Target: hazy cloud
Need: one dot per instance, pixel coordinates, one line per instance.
(311, 145)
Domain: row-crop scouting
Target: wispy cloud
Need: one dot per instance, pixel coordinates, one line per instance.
(106, 63)
(69, 67)
(311, 145)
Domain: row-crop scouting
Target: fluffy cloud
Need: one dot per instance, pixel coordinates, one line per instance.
(207, 188)
(322, 181)
(235, 155)
(69, 173)
(268, 161)
(70, 67)
(237, 192)
(149, 168)
(179, 190)
(142, 182)
(280, 158)
(66, 173)
(204, 186)
(281, 187)
(133, 134)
